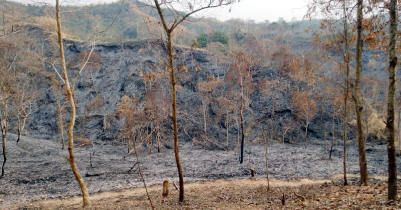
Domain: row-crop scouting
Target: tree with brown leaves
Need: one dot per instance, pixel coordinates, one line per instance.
(133, 122)
(241, 79)
(8, 57)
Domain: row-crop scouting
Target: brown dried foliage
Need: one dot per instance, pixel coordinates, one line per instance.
(96, 103)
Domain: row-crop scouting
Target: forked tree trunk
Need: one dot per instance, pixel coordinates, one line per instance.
(174, 98)
(357, 98)
(71, 159)
(392, 161)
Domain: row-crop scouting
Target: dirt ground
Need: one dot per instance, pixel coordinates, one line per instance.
(242, 194)
(37, 170)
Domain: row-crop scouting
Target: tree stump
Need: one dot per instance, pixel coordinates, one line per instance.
(166, 188)
(252, 172)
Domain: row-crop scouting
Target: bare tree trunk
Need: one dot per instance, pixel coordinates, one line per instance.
(272, 119)
(93, 83)
(227, 129)
(345, 116)
(285, 131)
(306, 130)
(238, 141)
(71, 159)
(4, 129)
(399, 131)
(23, 124)
(4, 23)
(60, 123)
(357, 98)
(151, 143)
(140, 173)
(332, 140)
(238, 127)
(242, 132)
(19, 128)
(392, 161)
(128, 144)
(242, 123)
(204, 117)
(174, 98)
(175, 124)
(4, 153)
(158, 139)
(266, 158)
(345, 136)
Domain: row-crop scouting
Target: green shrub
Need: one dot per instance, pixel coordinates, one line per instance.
(216, 36)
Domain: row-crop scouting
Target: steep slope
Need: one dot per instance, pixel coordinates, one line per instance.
(121, 69)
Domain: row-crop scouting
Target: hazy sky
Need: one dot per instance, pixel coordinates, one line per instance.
(258, 10)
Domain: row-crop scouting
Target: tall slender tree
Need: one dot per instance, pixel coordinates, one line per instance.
(346, 58)
(392, 161)
(69, 90)
(357, 96)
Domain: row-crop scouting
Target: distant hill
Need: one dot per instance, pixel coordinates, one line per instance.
(134, 20)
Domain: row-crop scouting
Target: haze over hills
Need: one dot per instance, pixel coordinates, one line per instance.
(246, 10)
(138, 21)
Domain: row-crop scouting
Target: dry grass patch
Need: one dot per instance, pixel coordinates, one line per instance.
(241, 194)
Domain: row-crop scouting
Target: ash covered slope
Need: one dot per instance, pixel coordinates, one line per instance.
(122, 70)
